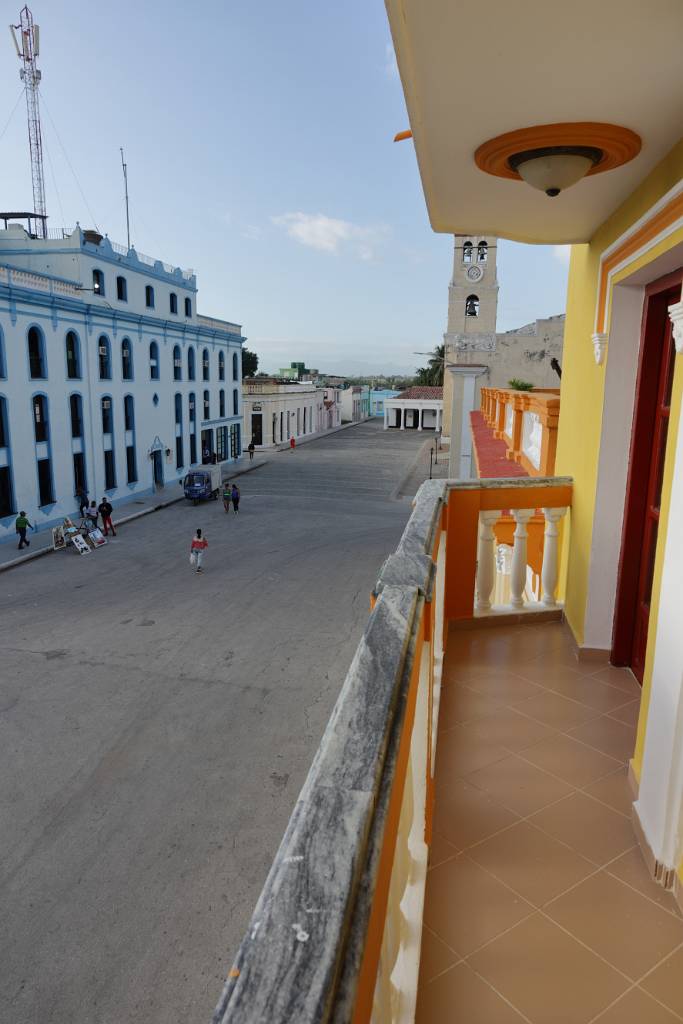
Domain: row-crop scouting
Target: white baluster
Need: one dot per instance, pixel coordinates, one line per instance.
(550, 570)
(486, 563)
(518, 570)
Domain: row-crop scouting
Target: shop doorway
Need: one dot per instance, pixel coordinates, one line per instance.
(158, 469)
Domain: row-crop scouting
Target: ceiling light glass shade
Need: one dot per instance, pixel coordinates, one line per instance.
(553, 174)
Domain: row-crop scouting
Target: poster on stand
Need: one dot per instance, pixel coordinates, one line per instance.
(58, 538)
(97, 538)
(81, 544)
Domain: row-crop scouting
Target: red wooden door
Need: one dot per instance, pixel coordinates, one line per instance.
(646, 470)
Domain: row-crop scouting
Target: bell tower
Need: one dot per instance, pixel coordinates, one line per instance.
(473, 291)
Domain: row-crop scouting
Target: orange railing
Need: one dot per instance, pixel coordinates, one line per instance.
(527, 421)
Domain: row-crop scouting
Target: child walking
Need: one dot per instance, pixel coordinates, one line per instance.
(197, 548)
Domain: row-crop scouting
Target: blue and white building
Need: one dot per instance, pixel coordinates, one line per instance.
(109, 377)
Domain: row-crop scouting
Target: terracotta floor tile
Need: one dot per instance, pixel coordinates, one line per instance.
(666, 982)
(618, 923)
(605, 734)
(614, 791)
(464, 815)
(531, 863)
(590, 691)
(622, 678)
(518, 785)
(460, 997)
(570, 760)
(459, 704)
(632, 869)
(435, 957)
(556, 711)
(465, 907)
(462, 749)
(627, 713)
(501, 685)
(593, 830)
(511, 730)
(440, 850)
(550, 675)
(547, 975)
(636, 1008)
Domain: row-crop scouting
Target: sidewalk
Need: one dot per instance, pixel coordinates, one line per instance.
(41, 542)
(419, 471)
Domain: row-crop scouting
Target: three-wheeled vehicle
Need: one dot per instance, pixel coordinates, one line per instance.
(203, 483)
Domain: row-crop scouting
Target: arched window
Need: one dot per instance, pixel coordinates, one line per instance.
(126, 359)
(3, 364)
(153, 361)
(235, 367)
(235, 402)
(221, 366)
(193, 427)
(190, 364)
(98, 282)
(179, 455)
(221, 403)
(179, 408)
(73, 356)
(36, 354)
(104, 357)
(177, 363)
(205, 364)
(467, 252)
(122, 289)
(149, 296)
(188, 307)
(173, 302)
(207, 406)
(107, 414)
(129, 427)
(472, 305)
(482, 252)
(76, 412)
(6, 489)
(41, 427)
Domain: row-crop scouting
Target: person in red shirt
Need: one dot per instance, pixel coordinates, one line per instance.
(292, 444)
(197, 548)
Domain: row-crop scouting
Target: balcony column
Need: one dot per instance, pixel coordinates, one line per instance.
(518, 570)
(419, 418)
(550, 570)
(386, 419)
(486, 560)
(403, 417)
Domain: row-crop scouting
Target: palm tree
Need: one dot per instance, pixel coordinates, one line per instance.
(432, 374)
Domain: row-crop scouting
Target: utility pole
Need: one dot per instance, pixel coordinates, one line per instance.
(27, 53)
(125, 184)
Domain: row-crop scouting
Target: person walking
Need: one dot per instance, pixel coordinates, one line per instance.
(250, 449)
(197, 548)
(21, 525)
(235, 495)
(227, 495)
(292, 444)
(91, 515)
(82, 496)
(105, 510)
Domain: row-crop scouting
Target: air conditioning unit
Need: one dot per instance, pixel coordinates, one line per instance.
(191, 405)
(106, 404)
(178, 363)
(102, 350)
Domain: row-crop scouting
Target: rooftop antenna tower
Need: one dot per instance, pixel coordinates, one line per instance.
(28, 48)
(124, 165)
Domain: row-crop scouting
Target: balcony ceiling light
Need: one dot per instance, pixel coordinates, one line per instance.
(552, 157)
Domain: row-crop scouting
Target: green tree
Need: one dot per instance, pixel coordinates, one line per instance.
(249, 363)
(432, 373)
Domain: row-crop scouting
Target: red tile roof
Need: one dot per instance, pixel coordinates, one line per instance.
(420, 393)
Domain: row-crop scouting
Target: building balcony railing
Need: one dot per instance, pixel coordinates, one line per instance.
(15, 276)
(527, 421)
(336, 932)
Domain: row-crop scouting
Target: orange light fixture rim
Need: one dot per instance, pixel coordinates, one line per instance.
(617, 144)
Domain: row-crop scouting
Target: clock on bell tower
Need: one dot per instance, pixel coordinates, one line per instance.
(473, 291)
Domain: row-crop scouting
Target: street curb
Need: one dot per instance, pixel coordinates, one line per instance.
(32, 555)
(284, 446)
(396, 493)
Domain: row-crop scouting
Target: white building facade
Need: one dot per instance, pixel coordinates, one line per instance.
(416, 408)
(109, 379)
(355, 403)
(275, 412)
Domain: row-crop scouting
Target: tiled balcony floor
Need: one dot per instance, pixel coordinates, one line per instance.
(539, 907)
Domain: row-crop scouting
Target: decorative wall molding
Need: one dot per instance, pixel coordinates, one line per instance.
(599, 347)
(676, 317)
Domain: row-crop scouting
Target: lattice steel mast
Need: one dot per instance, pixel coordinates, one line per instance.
(28, 48)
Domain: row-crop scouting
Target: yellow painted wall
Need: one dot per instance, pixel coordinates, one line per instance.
(583, 382)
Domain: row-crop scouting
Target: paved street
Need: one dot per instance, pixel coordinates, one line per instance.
(156, 726)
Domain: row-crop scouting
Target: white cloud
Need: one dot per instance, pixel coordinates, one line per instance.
(330, 234)
(562, 254)
(252, 232)
(390, 65)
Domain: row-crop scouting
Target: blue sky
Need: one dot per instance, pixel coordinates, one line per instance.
(258, 137)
